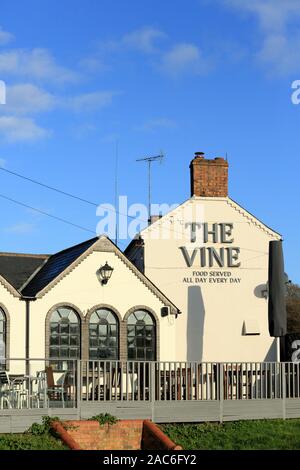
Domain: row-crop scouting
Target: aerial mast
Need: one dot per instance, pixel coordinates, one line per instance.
(149, 161)
(116, 189)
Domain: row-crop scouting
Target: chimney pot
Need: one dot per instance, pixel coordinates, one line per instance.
(199, 154)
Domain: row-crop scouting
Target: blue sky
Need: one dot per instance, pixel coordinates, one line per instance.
(172, 75)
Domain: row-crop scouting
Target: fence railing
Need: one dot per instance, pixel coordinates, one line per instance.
(44, 383)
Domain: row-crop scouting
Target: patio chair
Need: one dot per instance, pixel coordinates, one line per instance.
(11, 392)
(6, 395)
(55, 391)
(38, 390)
(18, 391)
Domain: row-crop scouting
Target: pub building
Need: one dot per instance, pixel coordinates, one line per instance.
(214, 266)
(192, 286)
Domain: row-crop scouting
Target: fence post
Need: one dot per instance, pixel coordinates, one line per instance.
(29, 403)
(152, 388)
(221, 389)
(78, 387)
(283, 381)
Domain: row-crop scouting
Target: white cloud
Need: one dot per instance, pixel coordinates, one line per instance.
(2, 162)
(16, 129)
(279, 56)
(181, 58)
(21, 228)
(36, 63)
(5, 37)
(158, 123)
(144, 40)
(279, 50)
(89, 101)
(26, 98)
(184, 58)
(93, 64)
(273, 15)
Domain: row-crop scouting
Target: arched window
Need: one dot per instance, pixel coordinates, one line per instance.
(2, 339)
(103, 335)
(64, 334)
(141, 336)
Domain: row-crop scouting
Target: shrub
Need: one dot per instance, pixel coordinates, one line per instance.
(37, 429)
(104, 418)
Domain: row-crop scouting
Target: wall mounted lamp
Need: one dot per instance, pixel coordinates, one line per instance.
(104, 273)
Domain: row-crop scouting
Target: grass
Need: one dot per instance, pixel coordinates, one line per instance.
(40, 436)
(239, 435)
(30, 442)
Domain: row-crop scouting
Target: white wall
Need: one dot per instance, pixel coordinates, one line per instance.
(82, 289)
(16, 311)
(210, 326)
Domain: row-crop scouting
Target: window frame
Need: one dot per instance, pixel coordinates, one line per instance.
(68, 334)
(138, 324)
(4, 320)
(104, 322)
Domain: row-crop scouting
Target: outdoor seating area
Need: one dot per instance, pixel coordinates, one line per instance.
(63, 384)
(21, 391)
(142, 381)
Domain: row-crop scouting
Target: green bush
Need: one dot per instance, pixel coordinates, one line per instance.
(104, 418)
(37, 429)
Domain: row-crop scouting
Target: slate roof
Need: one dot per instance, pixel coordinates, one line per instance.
(30, 274)
(16, 268)
(54, 266)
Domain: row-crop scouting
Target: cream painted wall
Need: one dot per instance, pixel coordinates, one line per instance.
(82, 289)
(210, 326)
(16, 310)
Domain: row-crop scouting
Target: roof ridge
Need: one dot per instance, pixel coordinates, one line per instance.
(9, 287)
(29, 255)
(41, 271)
(104, 244)
(65, 250)
(252, 218)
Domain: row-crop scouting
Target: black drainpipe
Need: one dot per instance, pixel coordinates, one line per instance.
(27, 336)
(27, 333)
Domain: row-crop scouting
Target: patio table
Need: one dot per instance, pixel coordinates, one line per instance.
(22, 385)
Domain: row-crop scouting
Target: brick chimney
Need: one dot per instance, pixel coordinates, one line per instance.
(209, 178)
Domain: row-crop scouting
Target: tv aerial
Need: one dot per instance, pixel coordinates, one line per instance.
(149, 161)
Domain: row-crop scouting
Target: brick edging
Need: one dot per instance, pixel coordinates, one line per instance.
(65, 436)
(160, 435)
(149, 430)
